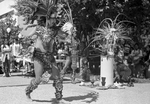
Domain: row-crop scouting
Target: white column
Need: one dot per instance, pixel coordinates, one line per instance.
(107, 70)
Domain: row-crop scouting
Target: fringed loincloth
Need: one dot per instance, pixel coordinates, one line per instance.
(45, 58)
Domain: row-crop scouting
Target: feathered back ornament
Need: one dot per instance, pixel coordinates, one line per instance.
(68, 25)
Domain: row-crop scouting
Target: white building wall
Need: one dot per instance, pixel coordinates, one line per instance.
(5, 7)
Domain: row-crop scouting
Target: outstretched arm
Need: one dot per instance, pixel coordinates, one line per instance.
(33, 31)
(29, 26)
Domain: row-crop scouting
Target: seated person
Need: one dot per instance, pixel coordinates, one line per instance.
(122, 72)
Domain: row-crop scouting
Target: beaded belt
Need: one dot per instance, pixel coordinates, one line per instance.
(46, 58)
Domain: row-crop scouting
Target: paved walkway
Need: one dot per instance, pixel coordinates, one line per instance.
(12, 92)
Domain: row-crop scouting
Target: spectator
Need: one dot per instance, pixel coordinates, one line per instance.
(16, 49)
(84, 71)
(6, 58)
(30, 50)
(68, 60)
(146, 59)
(137, 54)
(28, 55)
(122, 72)
(127, 49)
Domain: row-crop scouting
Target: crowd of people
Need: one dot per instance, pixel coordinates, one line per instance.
(14, 56)
(9, 53)
(130, 61)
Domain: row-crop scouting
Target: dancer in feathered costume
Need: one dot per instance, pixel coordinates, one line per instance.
(44, 59)
(53, 20)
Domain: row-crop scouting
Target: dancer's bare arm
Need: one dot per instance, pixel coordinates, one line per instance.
(32, 32)
(29, 26)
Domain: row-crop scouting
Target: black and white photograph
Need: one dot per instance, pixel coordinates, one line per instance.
(74, 51)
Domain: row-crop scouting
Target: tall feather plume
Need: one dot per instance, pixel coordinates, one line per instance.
(110, 29)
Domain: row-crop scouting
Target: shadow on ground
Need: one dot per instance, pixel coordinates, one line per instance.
(92, 95)
(88, 98)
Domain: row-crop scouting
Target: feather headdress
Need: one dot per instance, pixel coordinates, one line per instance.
(109, 31)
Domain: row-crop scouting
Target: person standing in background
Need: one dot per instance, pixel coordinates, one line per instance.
(84, 67)
(15, 51)
(137, 55)
(67, 54)
(6, 58)
(28, 57)
(74, 54)
(146, 59)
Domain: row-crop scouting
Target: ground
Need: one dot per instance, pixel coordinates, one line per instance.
(12, 92)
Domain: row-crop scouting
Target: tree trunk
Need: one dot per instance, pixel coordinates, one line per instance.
(148, 72)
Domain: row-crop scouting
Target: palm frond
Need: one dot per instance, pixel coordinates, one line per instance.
(46, 5)
(99, 48)
(111, 31)
(106, 19)
(108, 24)
(120, 14)
(68, 13)
(31, 8)
(24, 4)
(124, 37)
(124, 22)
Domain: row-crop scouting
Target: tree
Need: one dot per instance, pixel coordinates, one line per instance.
(8, 22)
(87, 14)
(33, 9)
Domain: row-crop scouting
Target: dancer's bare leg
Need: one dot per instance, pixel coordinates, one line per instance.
(36, 81)
(73, 76)
(55, 71)
(67, 63)
(58, 83)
